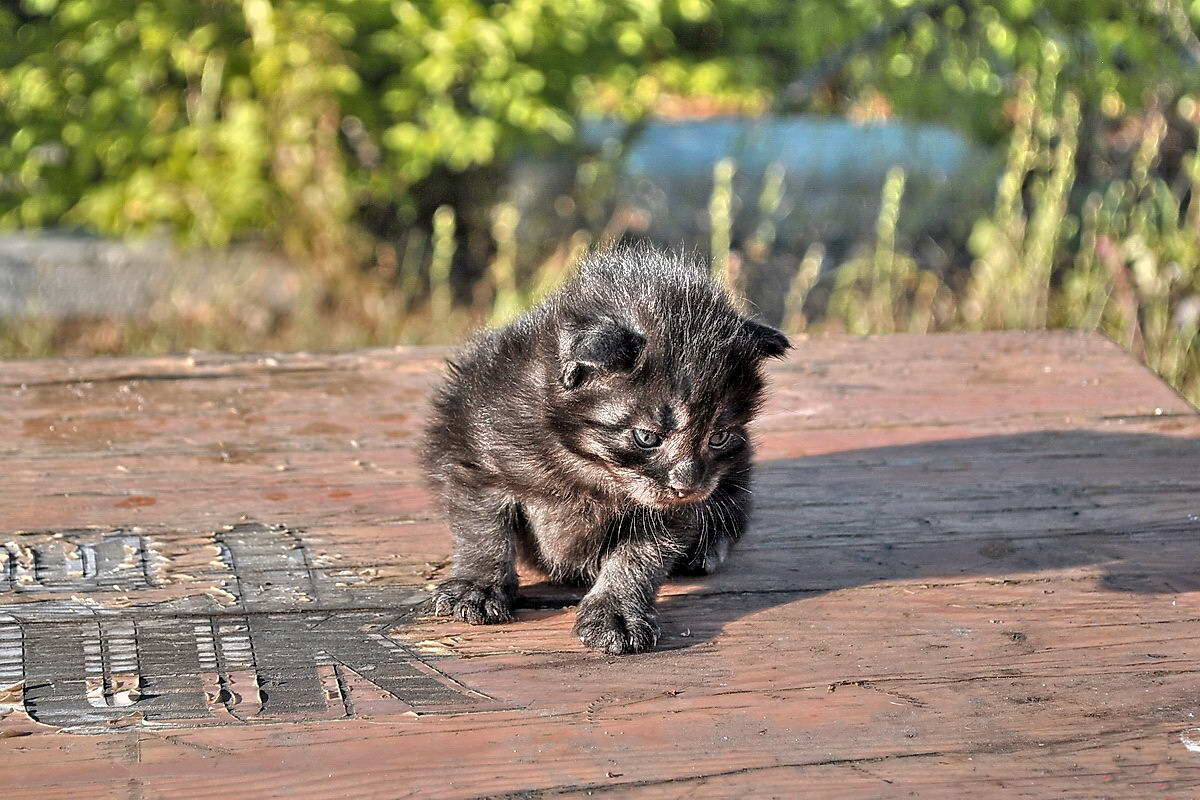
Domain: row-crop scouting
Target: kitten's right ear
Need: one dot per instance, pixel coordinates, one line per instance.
(768, 342)
(603, 346)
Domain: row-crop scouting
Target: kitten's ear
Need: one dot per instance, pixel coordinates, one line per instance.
(768, 342)
(602, 346)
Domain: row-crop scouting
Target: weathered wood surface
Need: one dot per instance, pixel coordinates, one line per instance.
(975, 568)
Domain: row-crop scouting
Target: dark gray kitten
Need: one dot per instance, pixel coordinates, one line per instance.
(601, 437)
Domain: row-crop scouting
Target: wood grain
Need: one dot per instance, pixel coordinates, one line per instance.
(973, 569)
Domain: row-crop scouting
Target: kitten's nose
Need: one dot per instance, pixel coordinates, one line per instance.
(685, 479)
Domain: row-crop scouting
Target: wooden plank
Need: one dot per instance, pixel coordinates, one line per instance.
(973, 567)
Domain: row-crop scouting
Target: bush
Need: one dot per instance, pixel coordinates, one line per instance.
(219, 119)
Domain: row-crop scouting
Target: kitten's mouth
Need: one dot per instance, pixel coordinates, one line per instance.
(672, 498)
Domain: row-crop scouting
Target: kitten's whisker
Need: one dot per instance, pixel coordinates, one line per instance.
(671, 548)
(706, 532)
(658, 545)
(724, 516)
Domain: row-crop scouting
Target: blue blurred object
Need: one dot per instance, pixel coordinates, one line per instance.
(808, 147)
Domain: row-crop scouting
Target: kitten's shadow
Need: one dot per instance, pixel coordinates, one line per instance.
(994, 506)
(544, 594)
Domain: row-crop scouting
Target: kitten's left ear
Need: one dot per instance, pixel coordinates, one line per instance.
(768, 342)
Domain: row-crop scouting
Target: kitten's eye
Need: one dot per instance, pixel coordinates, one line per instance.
(647, 440)
(719, 439)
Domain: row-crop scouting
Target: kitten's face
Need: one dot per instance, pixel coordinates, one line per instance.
(664, 426)
(662, 448)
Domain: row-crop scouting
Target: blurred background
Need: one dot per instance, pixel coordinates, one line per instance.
(326, 174)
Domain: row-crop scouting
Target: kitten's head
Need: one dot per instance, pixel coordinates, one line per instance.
(655, 377)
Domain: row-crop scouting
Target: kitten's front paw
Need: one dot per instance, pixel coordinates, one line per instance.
(476, 603)
(611, 626)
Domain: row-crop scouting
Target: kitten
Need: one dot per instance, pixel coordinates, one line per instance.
(601, 437)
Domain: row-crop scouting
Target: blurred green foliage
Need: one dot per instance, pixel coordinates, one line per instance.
(219, 118)
(300, 121)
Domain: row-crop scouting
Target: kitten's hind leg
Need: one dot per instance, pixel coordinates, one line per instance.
(483, 582)
(720, 522)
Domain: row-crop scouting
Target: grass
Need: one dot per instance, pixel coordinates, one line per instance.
(1123, 260)
(1128, 265)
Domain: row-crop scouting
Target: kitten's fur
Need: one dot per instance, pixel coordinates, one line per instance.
(532, 451)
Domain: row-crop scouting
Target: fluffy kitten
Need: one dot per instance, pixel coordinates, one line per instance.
(601, 437)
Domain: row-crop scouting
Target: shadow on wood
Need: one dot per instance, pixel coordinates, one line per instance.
(1015, 508)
